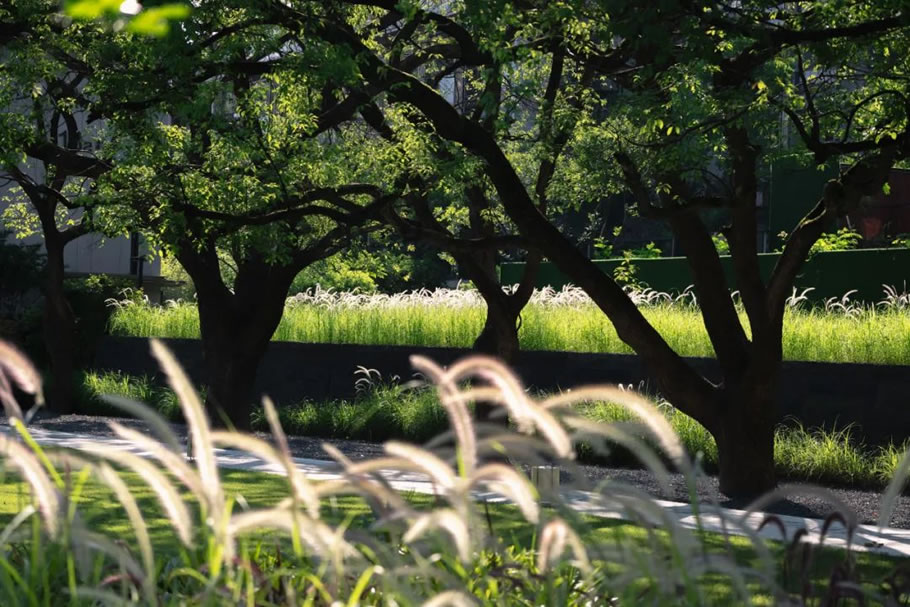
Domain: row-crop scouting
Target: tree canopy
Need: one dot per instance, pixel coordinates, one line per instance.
(271, 132)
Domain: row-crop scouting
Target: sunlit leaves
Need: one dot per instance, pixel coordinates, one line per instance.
(154, 21)
(19, 216)
(91, 9)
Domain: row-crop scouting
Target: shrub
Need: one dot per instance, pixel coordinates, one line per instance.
(87, 295)
(94, 386)
(22, 272)
(844, 239)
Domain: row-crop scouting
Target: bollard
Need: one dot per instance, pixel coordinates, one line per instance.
(545, 478)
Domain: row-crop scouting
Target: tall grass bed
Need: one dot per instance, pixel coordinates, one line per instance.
(837, 330)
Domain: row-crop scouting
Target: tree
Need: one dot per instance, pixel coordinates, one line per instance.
(450, 203)
(45, 132)
(724, 51)
(379, 262)
(224, 143)
(49, 138)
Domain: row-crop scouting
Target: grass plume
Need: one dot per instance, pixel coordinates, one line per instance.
(451, 548)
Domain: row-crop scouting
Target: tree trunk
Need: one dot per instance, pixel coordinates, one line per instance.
(499, 336)
(231, 361)
(235, 335)
(236, 328)
(59, 331)
(744, 433)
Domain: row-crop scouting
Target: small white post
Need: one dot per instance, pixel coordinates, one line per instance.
(545, 478)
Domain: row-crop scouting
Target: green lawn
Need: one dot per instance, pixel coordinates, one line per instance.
(103, 513)
(550, 322)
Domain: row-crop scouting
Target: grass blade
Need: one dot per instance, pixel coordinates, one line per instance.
(895, 487)
(200, 434)
(157, 424)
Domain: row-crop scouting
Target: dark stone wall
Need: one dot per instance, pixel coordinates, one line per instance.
(875, 398)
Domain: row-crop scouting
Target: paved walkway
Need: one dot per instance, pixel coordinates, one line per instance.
(867, 538)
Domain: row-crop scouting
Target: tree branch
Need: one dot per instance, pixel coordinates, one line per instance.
(71, 162)
(865, 178)
(718, 312)
(681, 383)
(744, 227)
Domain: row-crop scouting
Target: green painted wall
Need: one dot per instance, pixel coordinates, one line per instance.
(831, 274)
(795, 189)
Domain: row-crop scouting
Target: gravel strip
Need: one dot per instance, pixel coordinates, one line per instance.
(864, 504)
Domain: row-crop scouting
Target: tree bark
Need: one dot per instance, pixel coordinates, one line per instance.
(499, 336)
(236, 328)
(59, 329)
(744, 432)
(232, 355)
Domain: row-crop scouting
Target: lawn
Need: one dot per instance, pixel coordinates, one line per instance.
(249, 539)
(567, 320)
(103, 514)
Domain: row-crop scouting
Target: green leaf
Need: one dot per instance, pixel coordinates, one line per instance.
(91, 9)
(156, 21)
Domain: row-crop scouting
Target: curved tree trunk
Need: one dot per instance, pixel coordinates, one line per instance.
(741, 416)
(499, 336)
(59, 331)
(236, 328)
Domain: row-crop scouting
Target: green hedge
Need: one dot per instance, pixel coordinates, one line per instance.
(832, 274)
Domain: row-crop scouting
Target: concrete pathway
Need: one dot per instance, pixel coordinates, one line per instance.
(867, 538)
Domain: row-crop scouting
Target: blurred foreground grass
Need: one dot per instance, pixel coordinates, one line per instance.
(103, 513)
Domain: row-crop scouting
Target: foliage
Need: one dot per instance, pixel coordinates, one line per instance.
(239, 146)
(649, 251)
(839, 331)
(336, 272)
(721, 244)
(129, 14)
(386, 266)
(624, 273)
(389, 410)
(87, 296)
(604, 250)
(173, 271)
(454, 549)
(21, 268)
(844, 239)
